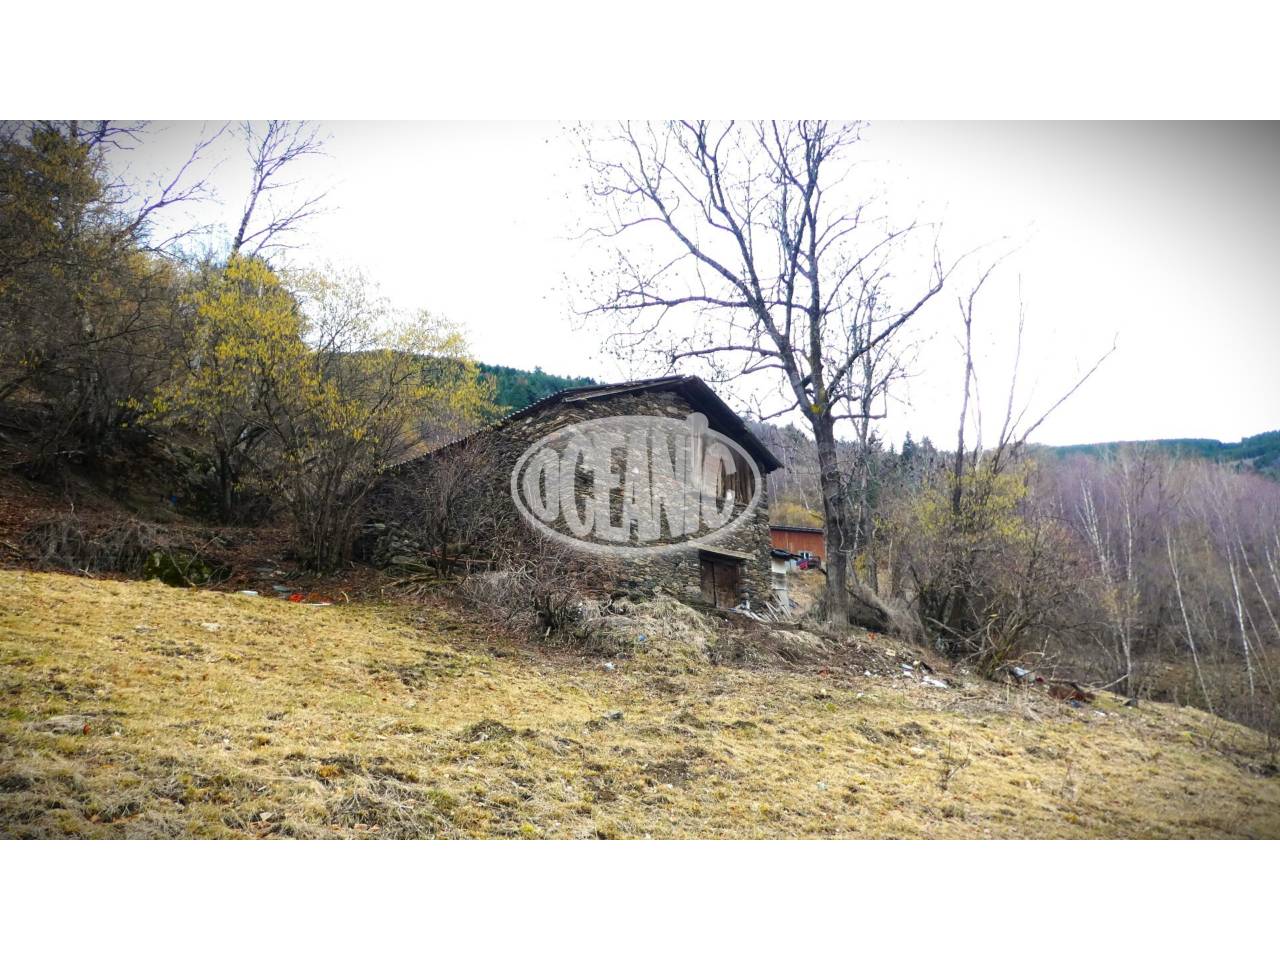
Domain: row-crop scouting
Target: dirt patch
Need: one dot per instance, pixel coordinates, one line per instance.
(674, 770)
(15, 783)
(434, 665)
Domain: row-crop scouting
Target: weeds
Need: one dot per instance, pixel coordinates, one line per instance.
(952, 764)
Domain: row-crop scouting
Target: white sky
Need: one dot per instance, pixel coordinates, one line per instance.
(1165, 236)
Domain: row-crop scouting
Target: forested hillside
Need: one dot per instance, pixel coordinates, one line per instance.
(515, 388)
(1260, 452)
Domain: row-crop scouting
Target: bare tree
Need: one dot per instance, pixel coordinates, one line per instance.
(755, 234)
(959, 591)
(1176, 602)
(439, 501)
(1120, 521)
(272, 150)
(876, 370)
(1015, 430)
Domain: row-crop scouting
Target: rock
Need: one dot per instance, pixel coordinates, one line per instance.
(487, 729)
(867, 611)
(212, 627)
(410, 564)
(65, 723)
(1069, 690)
(934, 682)
(181, 568)
(608, 667)
(613, 715)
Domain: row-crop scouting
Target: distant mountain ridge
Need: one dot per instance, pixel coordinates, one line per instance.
(1260, 452)
(516, 388)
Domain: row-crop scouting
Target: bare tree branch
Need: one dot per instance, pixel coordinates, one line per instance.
(272, 149)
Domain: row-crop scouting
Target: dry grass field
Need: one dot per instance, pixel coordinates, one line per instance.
(137, 710)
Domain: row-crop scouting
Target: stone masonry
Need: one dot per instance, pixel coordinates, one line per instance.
(678, 571)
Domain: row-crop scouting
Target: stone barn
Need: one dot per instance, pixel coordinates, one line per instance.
(648, 531)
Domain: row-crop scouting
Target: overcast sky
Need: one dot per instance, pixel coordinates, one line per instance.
(1163, 237)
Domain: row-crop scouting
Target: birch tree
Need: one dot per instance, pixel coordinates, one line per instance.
(272, 206)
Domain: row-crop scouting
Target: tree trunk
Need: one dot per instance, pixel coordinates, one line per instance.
(836, 523)
(226, 486)
(1186, 621)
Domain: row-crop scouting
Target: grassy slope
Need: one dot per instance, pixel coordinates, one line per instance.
(379, 721)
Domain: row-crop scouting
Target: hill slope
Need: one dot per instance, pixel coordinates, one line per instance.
(138, 710)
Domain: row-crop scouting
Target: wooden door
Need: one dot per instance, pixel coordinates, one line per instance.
(721, 579)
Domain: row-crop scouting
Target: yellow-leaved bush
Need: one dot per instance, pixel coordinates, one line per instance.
(990, 569)
(311, 382)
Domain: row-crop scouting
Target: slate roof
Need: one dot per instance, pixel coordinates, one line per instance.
(720, 416)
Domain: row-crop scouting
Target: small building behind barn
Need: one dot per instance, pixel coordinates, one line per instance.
(799, 540)
(780, 562)
(731, 569)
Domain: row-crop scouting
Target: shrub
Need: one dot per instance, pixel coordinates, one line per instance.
(129, 546)
(992, 575)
